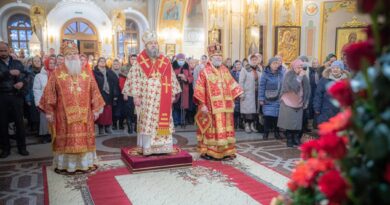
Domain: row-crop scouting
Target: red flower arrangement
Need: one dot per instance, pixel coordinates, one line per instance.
(357, 53)
(332, 167)
(334, 186)
(308, 149)
(337, 123)
(367, 6)
(387, 173)
(342, 92)
(333, 145)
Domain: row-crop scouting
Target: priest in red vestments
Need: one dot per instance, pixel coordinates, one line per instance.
(153, 85)
(72, 102)
(214, 93)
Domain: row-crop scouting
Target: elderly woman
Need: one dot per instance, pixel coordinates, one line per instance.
(249, 81)
(294, 99)
(109, 88)
(269, 93)
(322, 105)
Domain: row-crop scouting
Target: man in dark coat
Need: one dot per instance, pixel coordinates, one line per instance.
(13, 87)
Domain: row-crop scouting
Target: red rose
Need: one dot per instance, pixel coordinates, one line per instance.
(333, 145)
(308, 148)
(387, 173)
(292, 186)
(334, 186)
(320, 165)
(342, 92)
(357, 53)
(366, 6)
(337, 123)
(303, 175)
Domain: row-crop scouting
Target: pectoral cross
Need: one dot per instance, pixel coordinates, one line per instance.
(166, 84)
(75, 83)
(84, 75)
(63, 76)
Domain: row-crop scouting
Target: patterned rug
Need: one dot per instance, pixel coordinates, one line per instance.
(240, 181)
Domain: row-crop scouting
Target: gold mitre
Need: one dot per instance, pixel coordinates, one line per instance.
(69, 47)
(214, 49)
(149, 36)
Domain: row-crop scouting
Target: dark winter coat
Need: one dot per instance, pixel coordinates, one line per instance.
(236, 76)
(7, 81)
(313, 72)
(322, 100)
(182, 99)
(126, 108)
(270, 81)
(113, 83)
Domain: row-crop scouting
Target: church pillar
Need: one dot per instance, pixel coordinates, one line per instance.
(153, 13)
(236, 30)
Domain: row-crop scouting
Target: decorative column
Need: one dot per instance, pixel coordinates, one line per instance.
(118, 19)
(37, 16)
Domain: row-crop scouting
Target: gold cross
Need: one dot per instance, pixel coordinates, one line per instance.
(84, 75)
(63, 76)
(144, 61)
(161, 62)
(166, 84)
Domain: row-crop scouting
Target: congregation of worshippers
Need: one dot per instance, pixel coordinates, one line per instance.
(264, 108)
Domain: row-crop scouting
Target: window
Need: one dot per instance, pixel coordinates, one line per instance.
(78, 27)
(128, 41)
(19, 32)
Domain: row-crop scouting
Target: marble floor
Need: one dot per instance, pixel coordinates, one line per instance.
(21, 177)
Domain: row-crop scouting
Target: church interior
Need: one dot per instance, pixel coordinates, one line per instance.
(318, 30)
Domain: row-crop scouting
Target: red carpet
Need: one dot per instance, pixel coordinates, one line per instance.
(105, 189)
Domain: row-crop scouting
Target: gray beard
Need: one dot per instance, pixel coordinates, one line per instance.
(152, 53)
(216, 63)
(73, 66)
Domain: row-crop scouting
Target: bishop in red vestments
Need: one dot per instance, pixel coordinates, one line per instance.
(71, 102)
(214, 93)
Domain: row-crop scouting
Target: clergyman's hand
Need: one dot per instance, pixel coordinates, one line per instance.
(204, 110)
(125, 97)
(96, 116)
(49, 118)
(137, 101)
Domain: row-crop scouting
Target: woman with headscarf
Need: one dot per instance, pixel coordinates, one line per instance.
(294, 99)
(109, 88)
(249, 81)
(40, 82)
(322, 105)
(269, 93)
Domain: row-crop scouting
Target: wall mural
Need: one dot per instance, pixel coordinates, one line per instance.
(171, 22)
